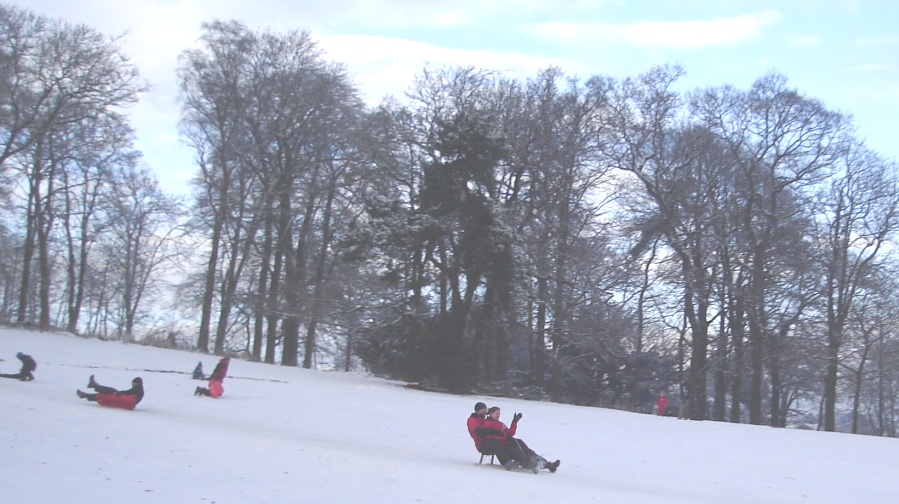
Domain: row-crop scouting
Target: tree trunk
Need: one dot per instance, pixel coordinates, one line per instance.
(209, 288)
(736, 368)
(319, 281)
(295, 283)
(43, 231)
(261, 305)
(696, 393)
(830, 382)
(28, 249)
(540, 333)
(721, 366)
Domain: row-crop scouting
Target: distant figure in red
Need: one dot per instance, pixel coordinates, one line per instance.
(112, 398)
(662, 405)
(215, 380)
(27, 371)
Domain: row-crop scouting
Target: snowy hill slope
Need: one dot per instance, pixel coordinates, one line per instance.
(288, 435)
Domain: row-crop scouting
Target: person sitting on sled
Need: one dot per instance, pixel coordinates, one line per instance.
(198, 372)
(28, 366)
(475, 420)
(215, 380)
(492, 446)
(112, 398)
(512, 452)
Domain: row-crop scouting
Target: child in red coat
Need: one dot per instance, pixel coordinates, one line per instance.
(215, 388)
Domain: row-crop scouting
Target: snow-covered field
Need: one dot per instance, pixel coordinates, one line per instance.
(288, 435)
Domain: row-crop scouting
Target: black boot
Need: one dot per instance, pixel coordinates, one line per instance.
(91, 383)
(552, 466)
(84, 395)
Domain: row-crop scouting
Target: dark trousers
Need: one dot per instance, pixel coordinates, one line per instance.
(21, 375)
(509, 449)
(100, 389)
(103, 389)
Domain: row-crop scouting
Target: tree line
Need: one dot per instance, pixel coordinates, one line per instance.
(589, 241)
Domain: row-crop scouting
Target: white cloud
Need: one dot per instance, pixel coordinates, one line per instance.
(386, 15)
(691, 34)
(803, 40)
(384, 66)
(878, 41)
(872, 67)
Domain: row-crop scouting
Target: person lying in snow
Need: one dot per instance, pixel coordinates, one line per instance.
(112, 398)
(28, 366)
(511, 451)
(215, 380)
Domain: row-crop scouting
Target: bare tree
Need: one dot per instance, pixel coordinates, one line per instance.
(60, 76)
(648, 143)
(138, 243)
(783, 143)
(211, 85)
(857, 219)
(103, 148)
(265, 112)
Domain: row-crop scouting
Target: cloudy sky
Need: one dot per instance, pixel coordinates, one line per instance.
(843, 52)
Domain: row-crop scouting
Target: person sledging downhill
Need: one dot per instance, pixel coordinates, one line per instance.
(112, 398)
(491, 446)
(500, 440)
(475, 421)
(216, 388)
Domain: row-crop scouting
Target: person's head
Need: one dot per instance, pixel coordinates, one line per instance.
(662, 393)
(480, 408)
(137, 382)
(19, 355)
(493, 412)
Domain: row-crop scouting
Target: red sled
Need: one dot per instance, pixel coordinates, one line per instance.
(127, 402)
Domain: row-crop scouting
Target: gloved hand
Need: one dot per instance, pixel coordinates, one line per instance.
(516, 417)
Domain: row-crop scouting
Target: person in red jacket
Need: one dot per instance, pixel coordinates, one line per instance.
(492, 446)
(474, 422)
(112, 398)
(662, 405)
(215, 388)
(511, 451)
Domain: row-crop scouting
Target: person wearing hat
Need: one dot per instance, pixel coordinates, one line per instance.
(27, 371)
(511, 451)
(476, 430)
(112, 398)
(215, 388)
(475, 421)
(198, 372)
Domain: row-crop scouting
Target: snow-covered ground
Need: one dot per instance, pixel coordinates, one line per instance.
(288, 435)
